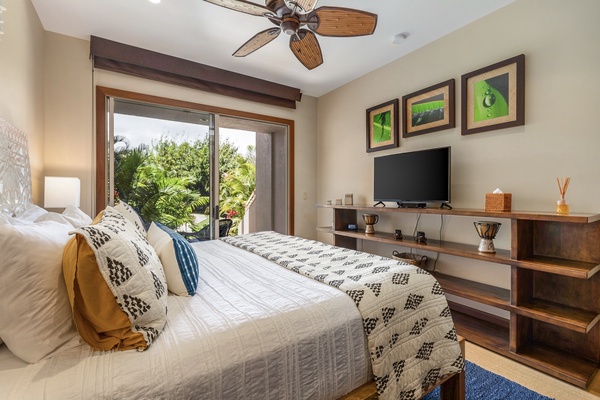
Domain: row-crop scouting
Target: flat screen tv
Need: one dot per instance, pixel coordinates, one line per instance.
(414, 178)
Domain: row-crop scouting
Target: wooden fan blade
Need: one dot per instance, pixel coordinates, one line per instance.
(258, 41)
(339, 21)
(306, 48)
(242, 6)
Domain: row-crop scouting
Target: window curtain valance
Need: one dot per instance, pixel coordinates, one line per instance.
(118, 57)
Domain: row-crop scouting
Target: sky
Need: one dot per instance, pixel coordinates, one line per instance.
(140, 130)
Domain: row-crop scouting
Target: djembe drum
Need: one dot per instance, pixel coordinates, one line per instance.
(487, 231)
(370, 220)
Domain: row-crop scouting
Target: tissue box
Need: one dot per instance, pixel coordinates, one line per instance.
(498, 201)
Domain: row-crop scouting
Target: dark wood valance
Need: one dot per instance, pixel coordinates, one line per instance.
(118, 57)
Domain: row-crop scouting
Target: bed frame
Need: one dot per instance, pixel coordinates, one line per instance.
(452, 386)
(15, 192)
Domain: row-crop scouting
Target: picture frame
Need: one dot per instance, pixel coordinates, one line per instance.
(429, 110)
(382, 126)
(493, 97)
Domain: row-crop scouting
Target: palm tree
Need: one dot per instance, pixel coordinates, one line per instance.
(166, 199)
(127, 162)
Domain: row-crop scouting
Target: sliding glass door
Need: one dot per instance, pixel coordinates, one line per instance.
(204, 175)
(161, 160)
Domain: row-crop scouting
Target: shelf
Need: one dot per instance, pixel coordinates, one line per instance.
(564, 366)
(559, 266)
(456, 249)
(578, 218)
(487, 332)
(483, 329)
(572, 318)
(482, 293)
(553, 300)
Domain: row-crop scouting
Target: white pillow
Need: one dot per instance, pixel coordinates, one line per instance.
(35, 314)
(76, 217)
(7, 219)
(52, 216)
(30, 214)
(129, 213)
(72, 216)
(177, 257)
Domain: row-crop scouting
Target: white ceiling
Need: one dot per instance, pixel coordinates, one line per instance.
(209, 34)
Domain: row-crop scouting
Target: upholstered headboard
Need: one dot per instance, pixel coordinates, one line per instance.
(15, 173)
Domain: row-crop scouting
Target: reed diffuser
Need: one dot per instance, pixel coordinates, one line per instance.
(562, 207)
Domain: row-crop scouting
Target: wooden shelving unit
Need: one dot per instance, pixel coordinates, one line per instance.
(554, 300)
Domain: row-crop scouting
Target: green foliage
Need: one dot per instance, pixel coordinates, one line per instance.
(170, 182)
(237, 186)
(127, 162)
(166, 199)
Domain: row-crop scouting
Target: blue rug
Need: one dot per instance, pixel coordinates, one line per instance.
(485, 385)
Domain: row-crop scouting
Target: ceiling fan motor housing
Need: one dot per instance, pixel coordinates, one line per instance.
(290, 25)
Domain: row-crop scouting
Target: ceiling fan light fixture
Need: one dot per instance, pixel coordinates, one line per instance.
(301, 6)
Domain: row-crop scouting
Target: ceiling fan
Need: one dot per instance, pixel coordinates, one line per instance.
(300, 20)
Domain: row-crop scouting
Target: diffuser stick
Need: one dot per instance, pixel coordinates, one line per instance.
(562, 207)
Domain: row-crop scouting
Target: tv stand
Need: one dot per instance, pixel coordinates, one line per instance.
(554, 264)
(379, 203)
(445, 206)
(411, 205)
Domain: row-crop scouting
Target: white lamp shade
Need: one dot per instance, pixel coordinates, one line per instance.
(61, 192)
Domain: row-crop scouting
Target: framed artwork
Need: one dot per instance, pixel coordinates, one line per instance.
(382, 126)
(494, 97)
(428, 110)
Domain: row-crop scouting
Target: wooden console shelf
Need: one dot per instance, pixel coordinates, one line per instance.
(554, 300)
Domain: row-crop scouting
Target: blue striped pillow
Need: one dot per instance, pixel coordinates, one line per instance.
(177, 257)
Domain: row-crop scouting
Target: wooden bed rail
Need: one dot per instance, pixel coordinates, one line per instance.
(452, 386)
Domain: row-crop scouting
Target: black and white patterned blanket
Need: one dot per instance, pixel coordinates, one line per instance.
(410, 333)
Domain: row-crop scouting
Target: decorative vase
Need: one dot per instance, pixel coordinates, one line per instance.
(562, 207)
(370, 220)
(487, 231)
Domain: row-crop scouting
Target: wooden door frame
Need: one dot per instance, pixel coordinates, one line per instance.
(103, 92)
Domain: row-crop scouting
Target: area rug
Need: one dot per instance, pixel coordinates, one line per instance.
(485, 385)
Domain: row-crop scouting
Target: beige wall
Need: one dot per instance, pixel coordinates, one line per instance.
(69, 138)
(561, 136)
(68, 147)
(46, 90)
(22, 81)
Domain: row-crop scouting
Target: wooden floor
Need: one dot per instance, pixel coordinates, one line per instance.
(529, 377)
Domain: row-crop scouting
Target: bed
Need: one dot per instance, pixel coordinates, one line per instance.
(270, 316)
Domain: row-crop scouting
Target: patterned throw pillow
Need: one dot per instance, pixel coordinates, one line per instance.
(178, 259)
(129, 213)
(116, 284)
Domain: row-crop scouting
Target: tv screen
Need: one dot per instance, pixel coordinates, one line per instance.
(414, 177)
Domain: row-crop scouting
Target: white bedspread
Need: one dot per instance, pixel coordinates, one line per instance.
(254, 330)
(409, 328)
